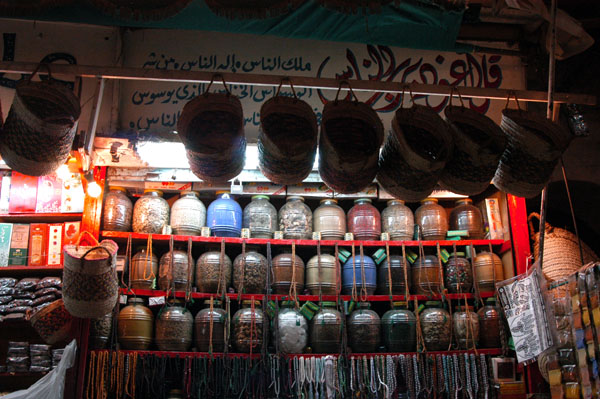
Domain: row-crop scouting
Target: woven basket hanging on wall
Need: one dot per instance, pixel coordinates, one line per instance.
(561, 251)
(252, 9)
(287, 141)
(140, 9)
(15, 8)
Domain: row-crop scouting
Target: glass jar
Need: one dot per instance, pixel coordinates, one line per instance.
(432, 220)
(178, 276)
(399, 330)
(260, 216)
(436, 326)
(489, 325)
(143, 270)
(327, 279)
(458, 274)
(466, 216)
(397, 219)
(150, 213)
(250, 273)
(248, 327)
(295, 219)
(326, 329)
(175, 394)
(397, 274)
(330, 220)
(284, 274)
(174, 326)
(352, 275)
(364, 329)
(208, 271)
(135, 325)
(466, 327)
(202, 322)
(292, 328)
(100, 331)
(426, 279)
(224, 216)
(364, 220)
(488, 271)
(188, 214)
(118, 209)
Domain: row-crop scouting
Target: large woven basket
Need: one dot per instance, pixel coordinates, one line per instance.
(140, 9)
(478, 145)
(245, 9)
(415, 153)
(287, 142)
(52, 322)
(561, 251)
(90, 284)
(38, 133)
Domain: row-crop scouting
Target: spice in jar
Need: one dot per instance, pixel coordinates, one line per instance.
(150, 213)
(466, 327)
(399, 329)
(210, 269)
(295, 219)
(458, 274)
(248, 326)
(174, 326)
(326, 329)
(489, 325)
(364, 329)
(436, 326)
(292, 329)
(250, 272)
(203, 328)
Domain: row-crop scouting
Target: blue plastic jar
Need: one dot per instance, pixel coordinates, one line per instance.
(224, 216)
(370, 272)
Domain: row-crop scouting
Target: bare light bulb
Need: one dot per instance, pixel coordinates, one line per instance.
(94, 190)
(63, 172)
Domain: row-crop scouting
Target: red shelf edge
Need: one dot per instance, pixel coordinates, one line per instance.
(23, 267)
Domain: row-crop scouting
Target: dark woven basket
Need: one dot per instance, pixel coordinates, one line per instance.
(38, 133)
(534, 147)
(287, 142)
(478, 146)
(219, 167)
(351, 135)
(415, 153)
(252, 9)
(140, 9)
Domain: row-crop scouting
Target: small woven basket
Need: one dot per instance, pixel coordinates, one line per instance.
(52, 322)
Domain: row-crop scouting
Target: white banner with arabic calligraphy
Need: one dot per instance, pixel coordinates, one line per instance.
(155, 106)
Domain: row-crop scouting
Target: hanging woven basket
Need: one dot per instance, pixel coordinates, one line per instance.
(415, 153)
(252, 9)
(478, 146)
(561, 250)
(287, 141)
(140, 9)
(14, 8)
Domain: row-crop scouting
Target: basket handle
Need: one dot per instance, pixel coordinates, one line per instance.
(286, 79)
(94, 239)
(454, 89)
(35, 71)
(95, 248)
(532, 232)
(346, 82)
(217, 75)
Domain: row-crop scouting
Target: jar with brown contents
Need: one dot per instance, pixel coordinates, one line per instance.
(250, 272)
(144, 269)
(295, 219)
(150, 213)
(326, 329)
(466, 216)
(330, 220)
(117, 211)
(488, 271)
(397, 219)
(326, 279)
(426, 279)
(283, 273)
(248, 327)
(178, 276)
(436, 326)
(174, 326)
(489, 325)
(432, 220)
(135, 325)
(364, 329)
(399, 266)
(209, 270)
(466, 327)
(202, 323)
(458, 274)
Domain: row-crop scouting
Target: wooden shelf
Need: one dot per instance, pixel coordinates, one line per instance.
(302, 298)
(39, 217)
(42, 271)
(143, 237)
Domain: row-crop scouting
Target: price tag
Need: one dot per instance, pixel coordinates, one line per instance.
(167, 229)
(156, 301)
(245, 233)
(123, 299)
(316, 235)
(278, 235)
(385, 236)
(349, 237)
(205, 232)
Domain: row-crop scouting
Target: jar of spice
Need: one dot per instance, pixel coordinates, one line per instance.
(295, 219)
(432, 220)
(426, 279)
(489, 325)
(150, 213)
(330, 220)
(326, 278)
(248, 327)
(260, 216)
(326, 329)
(202, 323)
(250, 272)
(174, 326)
(399, 329)
(117, 210)
(466, 327)
(100, 330)
(398, 267)
(466, 216)
(178, 275)
(458, 274)
(143, 270)
(283, 273)
(224, 216)
(188, 214)
(397, 219)
(135, 325)
(209, 269)
(364, 329)
(488, 270)
(292, 329)
(364, 220)
(436, 326)
(352, 275)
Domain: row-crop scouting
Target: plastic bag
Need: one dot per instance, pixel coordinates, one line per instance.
(8, 282)
(49, 282)
(52, 385)
(27, 284)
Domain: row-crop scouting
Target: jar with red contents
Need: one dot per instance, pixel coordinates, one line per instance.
(364, 220)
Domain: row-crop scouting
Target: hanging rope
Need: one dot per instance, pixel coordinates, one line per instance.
(363, 290)
(221, 288)
(150, 276)
(241, 288)
(389, 274)
(293, 294)
(405, 265)
(354, 294)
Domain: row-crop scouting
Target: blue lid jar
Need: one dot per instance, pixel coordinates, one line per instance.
(224, 216)
(370, 273)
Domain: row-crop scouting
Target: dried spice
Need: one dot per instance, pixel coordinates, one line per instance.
(260, 216)
(399, 330)
(458, 274)
(250, 273)
(117, 210)
(248, 328)
(295, 219)
(436, 327)
(202, 324)
(466, 328)
(150, 213)
(174, 326)
(292, 331)
(326, 330)
(364, 329)
(208, 272)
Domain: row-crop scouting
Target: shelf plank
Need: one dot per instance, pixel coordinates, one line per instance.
(122, 236)
(39, 217)
(16, 271)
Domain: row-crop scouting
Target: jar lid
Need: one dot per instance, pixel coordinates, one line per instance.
(260, 196)
(436, 304)
(117, 188)
(248, 302)
(464, 200)
(219, 192)
(216, 302)
(295, 198)
(330, 200)
(327, 304)
(287, 304)
(135, 300)
(364, 305)
(458, 254)
(395, 202)
(491, 301)
(359, 200)
(429, 199)
(187, 192)
(153, 190)
(398, 304)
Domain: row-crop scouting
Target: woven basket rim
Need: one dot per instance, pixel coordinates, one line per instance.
(476, 120)
(35, 317)
(560, 136)
(351, 110)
